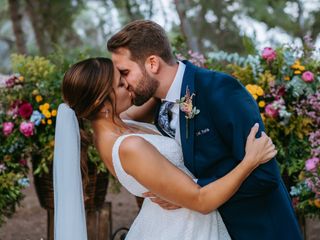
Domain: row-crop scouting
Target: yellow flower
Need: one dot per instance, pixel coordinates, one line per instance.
(46, 106)
(46, 113)
(41, 108)
(301, 176)
(297, 72)
(260, 91)
(286, 78)
(255, 96)
(21, 78)
(49, 121)
(249, 87)
(43, 121)
(54, 113)
(39, 98)
(262, 104)
(317, 202)
(301, 68)
(296, 65)
(35, 92)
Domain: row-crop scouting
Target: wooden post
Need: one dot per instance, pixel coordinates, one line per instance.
(50, 224)
(99, 223)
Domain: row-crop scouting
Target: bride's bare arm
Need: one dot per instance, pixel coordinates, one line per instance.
(145, 163)
(144, 113)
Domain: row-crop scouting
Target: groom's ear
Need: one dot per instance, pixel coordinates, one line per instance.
(152, 64)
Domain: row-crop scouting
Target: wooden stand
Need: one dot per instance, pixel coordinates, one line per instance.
(99, 223)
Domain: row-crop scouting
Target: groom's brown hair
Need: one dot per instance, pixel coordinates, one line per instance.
(143, 38)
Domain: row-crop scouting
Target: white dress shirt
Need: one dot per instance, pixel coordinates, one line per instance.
(172, 96)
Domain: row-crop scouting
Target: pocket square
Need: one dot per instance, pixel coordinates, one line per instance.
(202, 131)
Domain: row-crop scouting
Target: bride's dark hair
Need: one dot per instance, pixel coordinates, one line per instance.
(86, 86)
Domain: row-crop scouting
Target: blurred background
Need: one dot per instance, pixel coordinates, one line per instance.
(42, 27)
(271, 46)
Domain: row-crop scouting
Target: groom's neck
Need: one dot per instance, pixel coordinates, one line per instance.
(165, 77)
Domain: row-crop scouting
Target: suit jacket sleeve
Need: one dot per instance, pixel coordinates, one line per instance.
(234, 112)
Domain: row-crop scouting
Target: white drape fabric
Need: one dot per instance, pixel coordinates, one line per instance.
(69, 211)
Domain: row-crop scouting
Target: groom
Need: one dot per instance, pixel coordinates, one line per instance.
(213, 140)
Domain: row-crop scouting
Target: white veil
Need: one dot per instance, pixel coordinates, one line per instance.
(69, 212)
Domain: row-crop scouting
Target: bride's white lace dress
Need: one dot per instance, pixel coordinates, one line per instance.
(155, 223)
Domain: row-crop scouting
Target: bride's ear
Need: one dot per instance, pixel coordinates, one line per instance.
(152, 64)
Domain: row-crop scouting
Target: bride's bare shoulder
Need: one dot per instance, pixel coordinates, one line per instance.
(132, 144)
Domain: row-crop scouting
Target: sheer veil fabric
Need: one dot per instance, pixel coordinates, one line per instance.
(69, 211)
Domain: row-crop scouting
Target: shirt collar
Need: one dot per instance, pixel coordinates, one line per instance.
(175, 88)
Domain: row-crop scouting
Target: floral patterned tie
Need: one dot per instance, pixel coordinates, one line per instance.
(164, 118)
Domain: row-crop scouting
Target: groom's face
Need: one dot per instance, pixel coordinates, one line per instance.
(141, 86)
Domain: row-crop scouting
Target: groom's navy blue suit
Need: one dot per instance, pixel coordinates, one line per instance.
(214, 144)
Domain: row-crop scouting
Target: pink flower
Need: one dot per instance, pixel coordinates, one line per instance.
(10, 82)
(281, 91)
(7, 128)
(308, 77)
(26, 128)
(310, 183)
(269, 54)
(311, 164)
(25, 110)
(271, 111)
(23, 162)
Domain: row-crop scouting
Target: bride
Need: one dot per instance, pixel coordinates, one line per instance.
(140, 158)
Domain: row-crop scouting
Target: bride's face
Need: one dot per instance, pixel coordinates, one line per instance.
(123, 96)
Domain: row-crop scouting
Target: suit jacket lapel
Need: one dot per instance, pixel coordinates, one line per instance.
(187, 125)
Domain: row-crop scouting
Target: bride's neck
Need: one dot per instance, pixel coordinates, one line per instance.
(112, 124)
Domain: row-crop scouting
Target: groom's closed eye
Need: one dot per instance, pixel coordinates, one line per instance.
(124, 72)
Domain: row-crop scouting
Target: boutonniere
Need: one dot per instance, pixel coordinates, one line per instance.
(186, 106)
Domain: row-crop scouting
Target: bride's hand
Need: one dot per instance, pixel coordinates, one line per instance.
(259, 150)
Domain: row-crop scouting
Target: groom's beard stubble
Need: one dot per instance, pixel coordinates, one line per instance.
(145, 90)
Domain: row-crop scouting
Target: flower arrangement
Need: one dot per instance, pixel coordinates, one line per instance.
(27, 127)
(28, 110)
(285, 83)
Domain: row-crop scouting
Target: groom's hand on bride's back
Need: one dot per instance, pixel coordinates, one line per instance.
(162, 203)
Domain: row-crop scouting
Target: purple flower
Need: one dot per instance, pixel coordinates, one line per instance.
(308, 77)
(269, 54)
(271, 111)
(311, 164)
(26, 128)
(2, 168)
(7, 128)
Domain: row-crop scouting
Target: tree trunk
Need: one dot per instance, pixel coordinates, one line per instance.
(36, 22)
(16, 17)
(186, 27)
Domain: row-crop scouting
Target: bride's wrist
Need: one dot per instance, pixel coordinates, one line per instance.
(248, 164)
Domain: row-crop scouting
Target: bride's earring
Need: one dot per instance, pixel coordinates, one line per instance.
(107, 113)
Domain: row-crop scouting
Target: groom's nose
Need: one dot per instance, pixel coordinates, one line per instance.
(126, 84)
